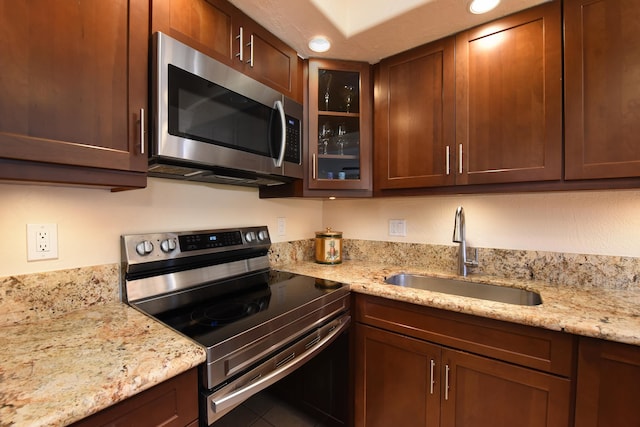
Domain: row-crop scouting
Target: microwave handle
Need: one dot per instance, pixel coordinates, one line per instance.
(278, 106)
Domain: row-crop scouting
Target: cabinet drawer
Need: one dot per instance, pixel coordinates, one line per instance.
(529, 346)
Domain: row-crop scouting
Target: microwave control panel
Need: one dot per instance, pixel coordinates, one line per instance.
(293, 141)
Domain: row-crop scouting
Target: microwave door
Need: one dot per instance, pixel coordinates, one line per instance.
(222, 125)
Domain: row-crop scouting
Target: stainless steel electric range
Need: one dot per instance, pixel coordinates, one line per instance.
(217, 288)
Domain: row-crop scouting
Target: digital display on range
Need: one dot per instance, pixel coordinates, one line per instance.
(194, 242)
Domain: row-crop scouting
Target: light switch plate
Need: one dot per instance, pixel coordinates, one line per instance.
(397, 227)
(282, 226)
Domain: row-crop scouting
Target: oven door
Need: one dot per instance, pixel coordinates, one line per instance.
(222, 399)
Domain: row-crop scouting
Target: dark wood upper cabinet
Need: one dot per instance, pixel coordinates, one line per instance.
(73, 88)
(267, 59)
(204, 25)
(602, 88)
(414, 118)
(481, 107)
(339, 107)
(509, 99)
(222, 31)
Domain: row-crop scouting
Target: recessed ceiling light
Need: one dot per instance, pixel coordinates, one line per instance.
(482, 6)
(319, 44)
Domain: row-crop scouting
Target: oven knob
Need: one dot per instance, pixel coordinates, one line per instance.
(144, 248)
(168, 245)
(250, 236)
(263, 235)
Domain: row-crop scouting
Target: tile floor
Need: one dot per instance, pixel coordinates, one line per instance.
(266, 410)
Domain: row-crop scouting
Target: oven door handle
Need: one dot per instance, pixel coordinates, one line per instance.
(259, 382)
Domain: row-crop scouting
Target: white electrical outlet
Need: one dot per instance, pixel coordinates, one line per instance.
(282, 226)
(42, 241)
(397, 227)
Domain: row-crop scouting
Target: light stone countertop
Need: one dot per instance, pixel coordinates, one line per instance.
(611, 314)
(69, 349)
(55, 372)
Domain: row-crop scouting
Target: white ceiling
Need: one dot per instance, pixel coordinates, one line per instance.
(368, 30)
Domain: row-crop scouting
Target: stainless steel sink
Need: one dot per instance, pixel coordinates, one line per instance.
(466, 289)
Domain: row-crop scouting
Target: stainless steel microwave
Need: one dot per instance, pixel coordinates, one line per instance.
(212, 123)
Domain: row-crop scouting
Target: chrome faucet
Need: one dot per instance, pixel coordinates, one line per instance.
(459, 236)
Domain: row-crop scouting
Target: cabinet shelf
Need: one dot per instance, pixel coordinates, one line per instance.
(337, 114)
(338, 156)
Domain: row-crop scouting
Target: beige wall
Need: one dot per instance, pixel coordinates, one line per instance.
(90, 221)
(587, 222)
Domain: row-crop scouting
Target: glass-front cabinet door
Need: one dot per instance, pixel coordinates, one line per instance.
(339, 125)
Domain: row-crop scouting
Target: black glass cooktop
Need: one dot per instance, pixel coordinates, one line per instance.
(218, 318)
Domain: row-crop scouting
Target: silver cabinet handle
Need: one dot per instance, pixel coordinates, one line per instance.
(250, 44)
(142, 131)
(460, 161)
(448, 161)
(446, 382)
(432, 380)
(313, 166)
(240, 38)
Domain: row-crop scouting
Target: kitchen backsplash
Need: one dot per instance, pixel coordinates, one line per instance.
(34, 297)
(613, 272)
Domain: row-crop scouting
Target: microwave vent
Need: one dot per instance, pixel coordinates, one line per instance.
(213, 175)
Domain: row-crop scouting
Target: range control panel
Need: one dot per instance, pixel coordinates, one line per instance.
(142, 248)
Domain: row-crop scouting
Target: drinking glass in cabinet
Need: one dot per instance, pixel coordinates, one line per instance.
(324, 137)
(348, 97)
(342, 131)
(338, 91)
(325, 83)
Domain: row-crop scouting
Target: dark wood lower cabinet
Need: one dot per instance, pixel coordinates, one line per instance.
(608, 384)
(393, 380)
(404, 378)
(173, 403)
(486, 392)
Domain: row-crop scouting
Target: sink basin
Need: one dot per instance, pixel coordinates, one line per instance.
(466, 289)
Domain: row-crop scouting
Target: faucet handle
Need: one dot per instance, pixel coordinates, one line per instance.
(474, 262)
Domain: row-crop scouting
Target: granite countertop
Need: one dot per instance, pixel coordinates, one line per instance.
(60, 363)
(56, 371)
(611, 314)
